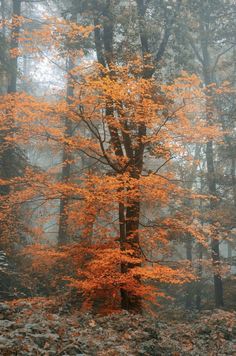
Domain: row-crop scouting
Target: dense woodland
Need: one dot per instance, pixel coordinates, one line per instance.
(118, 158)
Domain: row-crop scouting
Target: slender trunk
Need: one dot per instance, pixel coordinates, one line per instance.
(215, 243)
(7, 158)
(211, 178)
(219, 302)
(189, 242)
(3, 10)
(14, 45)
(199, 273)
(64, 202)
(12, 161)
(189, 287)
(200, 256)
(63, 237)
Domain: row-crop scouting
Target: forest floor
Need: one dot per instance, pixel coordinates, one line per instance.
(29, 328)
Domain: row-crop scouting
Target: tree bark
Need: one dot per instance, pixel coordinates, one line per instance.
(14, 45)
(9, 166)
(189, 287)
(215, 244)
(199, 283)
(63, 237)
(211, 177)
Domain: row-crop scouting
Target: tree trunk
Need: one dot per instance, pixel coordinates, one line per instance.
(9, 166)
(211, 178)
(14, 45)
(130, 301)
(215, 244)
(189, 242)
(189, 287)
(63, 237)
(199, 283)
(200, 256)
(3, 10)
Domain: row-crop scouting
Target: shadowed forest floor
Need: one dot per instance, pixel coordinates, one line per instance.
(39, 329)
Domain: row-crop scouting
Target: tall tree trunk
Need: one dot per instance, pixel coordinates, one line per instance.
(14, 45)
(200, 256)
(189, 241)
(215, 243)
(9, 166)
(63, 237)
(3, 10)
(211, 177)
(189, 287)
(12, 161)
(199, 274)
(130, 301)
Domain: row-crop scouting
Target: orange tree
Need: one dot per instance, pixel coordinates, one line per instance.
(131, 127)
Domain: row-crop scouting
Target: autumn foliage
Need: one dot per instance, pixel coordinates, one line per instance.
(119, 213)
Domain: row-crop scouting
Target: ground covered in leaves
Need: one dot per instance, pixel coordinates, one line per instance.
(28, 328)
